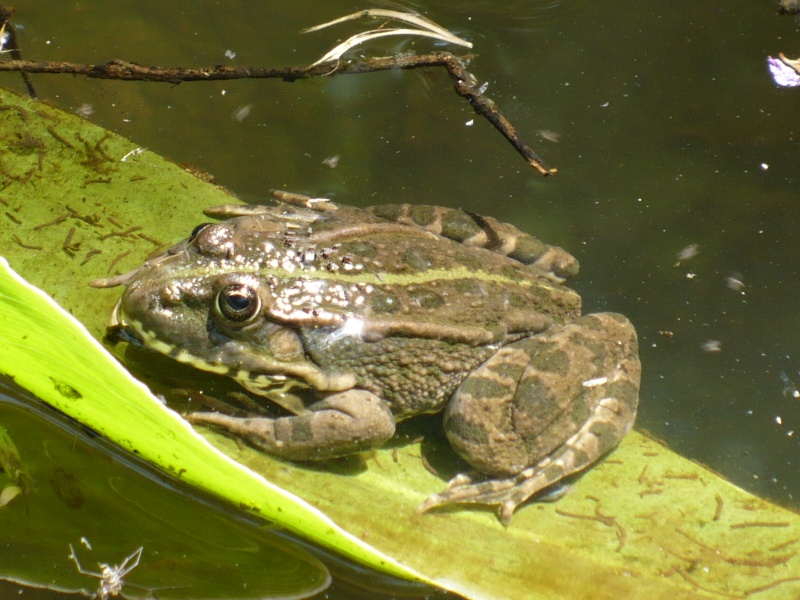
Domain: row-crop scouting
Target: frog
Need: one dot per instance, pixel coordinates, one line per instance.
(352, 320)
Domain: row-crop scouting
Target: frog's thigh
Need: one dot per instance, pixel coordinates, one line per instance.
(340, 424)
(557, 401)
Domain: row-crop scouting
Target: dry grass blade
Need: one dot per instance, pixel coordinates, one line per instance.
(425, 28)
(410, 18)
(360, 38)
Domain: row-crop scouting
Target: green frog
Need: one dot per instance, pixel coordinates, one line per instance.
(354, 319)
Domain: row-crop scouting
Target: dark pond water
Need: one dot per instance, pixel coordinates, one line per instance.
(669, 132)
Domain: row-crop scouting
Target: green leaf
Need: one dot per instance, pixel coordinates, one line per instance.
(643, 523)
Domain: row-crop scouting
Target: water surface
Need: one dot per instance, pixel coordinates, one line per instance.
(670, 133)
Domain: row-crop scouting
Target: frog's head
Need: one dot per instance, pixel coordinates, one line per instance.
(207, 302)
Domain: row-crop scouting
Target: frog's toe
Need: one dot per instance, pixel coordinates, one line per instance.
(506, 494)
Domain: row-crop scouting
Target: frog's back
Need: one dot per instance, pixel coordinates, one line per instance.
(433, 309)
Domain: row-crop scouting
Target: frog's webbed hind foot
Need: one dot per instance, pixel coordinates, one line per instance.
(506, 494)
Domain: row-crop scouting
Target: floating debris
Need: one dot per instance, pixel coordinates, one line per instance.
(789, 388)
(734, 281)
(332, 161)
(788, 7)
(9, 493)
(784, 71)
(85, 110)
(241, 113)
(230, 54)
(550, 136)
(4, 35)
(589, 383)
(134, 152)
(689, 252)
(422, 27)
(712, 346)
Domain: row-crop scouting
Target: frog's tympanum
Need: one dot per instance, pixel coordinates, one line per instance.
(384, 313)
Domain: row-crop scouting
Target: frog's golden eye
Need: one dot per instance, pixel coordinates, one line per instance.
(196, 231)
(238, 303)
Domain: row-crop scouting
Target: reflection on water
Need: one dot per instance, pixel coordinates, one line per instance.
(670, 134)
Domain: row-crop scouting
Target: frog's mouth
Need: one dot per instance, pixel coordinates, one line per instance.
(122, 329)
(119, 330)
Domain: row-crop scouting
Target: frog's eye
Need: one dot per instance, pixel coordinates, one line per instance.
(196, 231)
(238, 303)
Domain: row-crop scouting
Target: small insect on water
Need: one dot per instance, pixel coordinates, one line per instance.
(111, 577)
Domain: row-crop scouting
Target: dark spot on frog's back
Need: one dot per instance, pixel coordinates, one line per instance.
(482, 387)
(528, 249)
(359, 248)
(607, 433)
(467, 286)
(624, 391)
(551, 361)
(302, 432)
(464, 429)
(520, 301)
(511, 272)
(426, 298)
(596, 323)
(66, 390)
(533, 399)
(384, 303)
(416, 259)
(390, 212)
(470, 261)
(458, 225)
(422, 215)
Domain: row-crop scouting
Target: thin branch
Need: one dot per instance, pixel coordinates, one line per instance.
(464, 83)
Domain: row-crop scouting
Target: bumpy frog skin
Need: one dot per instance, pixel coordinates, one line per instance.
(384, 313)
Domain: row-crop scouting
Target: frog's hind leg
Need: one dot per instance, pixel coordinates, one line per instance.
(508, 494)
(541, 409)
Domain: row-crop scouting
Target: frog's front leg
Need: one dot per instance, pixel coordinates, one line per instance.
(541, 409)
(340, 424)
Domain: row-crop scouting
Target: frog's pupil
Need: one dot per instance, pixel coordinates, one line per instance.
(238, 302)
